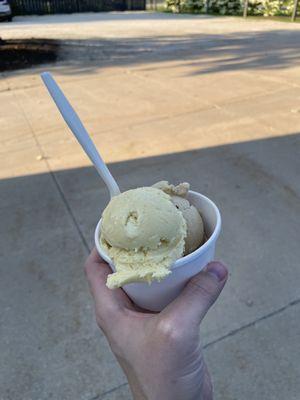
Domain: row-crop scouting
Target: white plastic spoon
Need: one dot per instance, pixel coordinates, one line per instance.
(76, 126)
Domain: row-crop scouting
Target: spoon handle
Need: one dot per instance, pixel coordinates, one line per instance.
(76, 126)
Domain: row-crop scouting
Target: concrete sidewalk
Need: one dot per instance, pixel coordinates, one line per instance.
(214, 101)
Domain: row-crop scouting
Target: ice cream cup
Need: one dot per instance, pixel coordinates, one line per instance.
(157, 295)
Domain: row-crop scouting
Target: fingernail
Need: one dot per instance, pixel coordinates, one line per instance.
(218, 270)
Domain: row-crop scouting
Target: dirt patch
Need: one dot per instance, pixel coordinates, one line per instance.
(19, 54)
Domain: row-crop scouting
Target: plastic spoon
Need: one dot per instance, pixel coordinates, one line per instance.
(76, 126)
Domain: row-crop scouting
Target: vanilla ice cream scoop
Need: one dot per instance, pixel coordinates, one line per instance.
(143, 232)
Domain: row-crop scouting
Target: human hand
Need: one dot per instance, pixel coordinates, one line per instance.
(160, 353)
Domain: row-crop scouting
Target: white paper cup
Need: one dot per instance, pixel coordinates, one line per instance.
(157, 295)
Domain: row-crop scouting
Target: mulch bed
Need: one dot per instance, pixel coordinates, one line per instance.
(19, 54)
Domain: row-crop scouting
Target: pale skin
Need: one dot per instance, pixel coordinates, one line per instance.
(160, 353)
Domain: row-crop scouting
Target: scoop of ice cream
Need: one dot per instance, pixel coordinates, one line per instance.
(195, 228)
(173, 190)
(143, 232)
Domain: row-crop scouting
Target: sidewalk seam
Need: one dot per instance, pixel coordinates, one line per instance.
(253, 323)
(54, 179)
(102, 395)
(69, 209)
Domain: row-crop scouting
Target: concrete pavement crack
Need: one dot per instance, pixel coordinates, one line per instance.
(55, 181)
(69, 209)
(102, 395)
(252, 323)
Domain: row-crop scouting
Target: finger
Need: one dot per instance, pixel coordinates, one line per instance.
(143, 310)
(96, 269)
(95, 257)
(108, 303)
(199, 295)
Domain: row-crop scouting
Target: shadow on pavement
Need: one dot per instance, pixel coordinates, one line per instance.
(206, 53)
(225, 173)
(46, 319)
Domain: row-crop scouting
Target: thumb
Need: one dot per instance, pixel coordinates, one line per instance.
(199, 295)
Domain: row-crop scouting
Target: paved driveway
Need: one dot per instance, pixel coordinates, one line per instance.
(215, 101)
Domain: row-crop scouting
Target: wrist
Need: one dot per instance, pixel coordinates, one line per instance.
(138, 393)
(204, 392)
(207, 388)
(135, 387)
